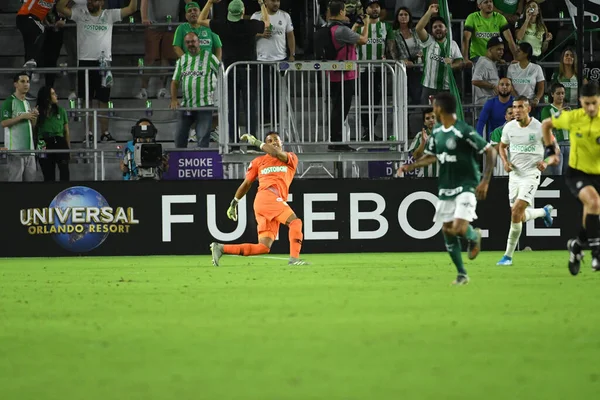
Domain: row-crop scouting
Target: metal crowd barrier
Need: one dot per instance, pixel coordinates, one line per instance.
(295, 99)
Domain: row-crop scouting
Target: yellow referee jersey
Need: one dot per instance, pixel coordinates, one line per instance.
(584, 134)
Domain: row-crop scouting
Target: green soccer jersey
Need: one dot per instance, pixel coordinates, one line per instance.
(456, 149)
(482, 30)
(379, 34)
(496, 135)
(430, 171)
(20, 135)
(507, 6)
(209, 41)
(561, 135)
(197, 76)
(54, 124)
(571, 86)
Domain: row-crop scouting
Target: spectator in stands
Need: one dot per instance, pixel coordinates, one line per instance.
(437, 59)
(495, 138)
(531, 29)
(209, 41)
(53, 41)
(417, 147)
(94, 40)
(485, 75)
(18, 121)
(380, 36)
(494, 110)
(405, 47)
(510, 9)
(567, 75)
(158, 43)
(271, 47)
(52, 134)
(30, 22)
(527, 77)
(196, 73)
(238, 36)
(557, 91)
(342, 83)
(480, 27)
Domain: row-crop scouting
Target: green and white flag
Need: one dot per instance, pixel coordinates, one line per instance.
(445, 13)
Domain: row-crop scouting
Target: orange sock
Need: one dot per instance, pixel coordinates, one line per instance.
(295, 236)
(246, 249)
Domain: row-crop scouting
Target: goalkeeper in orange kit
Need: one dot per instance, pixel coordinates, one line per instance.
(275, 172)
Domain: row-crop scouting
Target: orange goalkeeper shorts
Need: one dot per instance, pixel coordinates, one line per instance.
(270, 211)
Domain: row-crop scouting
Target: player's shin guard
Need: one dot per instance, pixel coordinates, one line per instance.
(246, 249)
(513, 238)
(295, 236)
(592, 227)
(533, 213)
(453, 247)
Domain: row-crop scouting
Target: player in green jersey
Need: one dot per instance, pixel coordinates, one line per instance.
(455, 145)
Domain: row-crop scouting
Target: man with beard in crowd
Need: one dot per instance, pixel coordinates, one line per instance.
(493, 113)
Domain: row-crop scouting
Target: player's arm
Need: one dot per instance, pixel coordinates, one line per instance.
(63, 8)
(502, 149)
(241, 192)
(130, 9)
(490, 162)
(267, 148)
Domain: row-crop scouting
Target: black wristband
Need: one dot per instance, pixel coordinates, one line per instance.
(549, 151)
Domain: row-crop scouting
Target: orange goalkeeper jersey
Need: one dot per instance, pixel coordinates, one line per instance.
(39, 8)
(273, 173)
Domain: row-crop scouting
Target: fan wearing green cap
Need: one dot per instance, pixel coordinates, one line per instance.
(239, 45)
(209, 41)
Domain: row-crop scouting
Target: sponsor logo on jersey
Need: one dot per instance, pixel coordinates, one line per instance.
(6, 114)
(445, 157)
(451, 144)
(531, 137)
(437, 58)
(205, 42)
(192, 73)
(271, 170)
(376, 41)
(95, 28)
(523, 148)
(486, 35)
(46, 4)
(450, 192)
(521, 81)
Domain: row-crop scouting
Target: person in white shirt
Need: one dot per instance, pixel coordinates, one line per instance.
(523, 139)
(94, 40)
(527, 78)
(271, 47)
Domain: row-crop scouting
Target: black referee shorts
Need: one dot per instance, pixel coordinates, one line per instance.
(577, 180)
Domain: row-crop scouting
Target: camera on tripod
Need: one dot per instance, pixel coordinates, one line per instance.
(147, 154)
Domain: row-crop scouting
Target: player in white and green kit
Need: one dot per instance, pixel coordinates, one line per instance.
(196, 73)
(438, 58)
(380, 35)
(18, 121)
(523, 138)
(456, 145)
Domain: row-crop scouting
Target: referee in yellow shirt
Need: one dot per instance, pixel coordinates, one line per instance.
(583, 174)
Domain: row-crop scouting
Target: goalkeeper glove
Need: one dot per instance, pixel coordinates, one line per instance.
(232, 210)
(251, 140)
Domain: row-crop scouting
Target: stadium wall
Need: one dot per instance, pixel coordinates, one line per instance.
(342, 216)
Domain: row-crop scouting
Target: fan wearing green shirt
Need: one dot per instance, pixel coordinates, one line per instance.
(495, 138)
(558, 92)
(209, 41)
(480, 27)
(52, 134)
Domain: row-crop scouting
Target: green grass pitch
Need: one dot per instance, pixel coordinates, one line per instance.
(350, 326)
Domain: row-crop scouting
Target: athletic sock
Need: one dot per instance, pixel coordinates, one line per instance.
(533, 213)
(513, 238)
(592, 227)
(471, 234)
(246, 249)
(582, 239)
(295, 236)
(454, 249)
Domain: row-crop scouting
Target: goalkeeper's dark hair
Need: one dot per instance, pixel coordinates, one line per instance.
(590, 90)
(271, 133)
(446, 102)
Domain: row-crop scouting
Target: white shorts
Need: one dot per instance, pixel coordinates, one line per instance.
(522, 188)
(461, 207)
